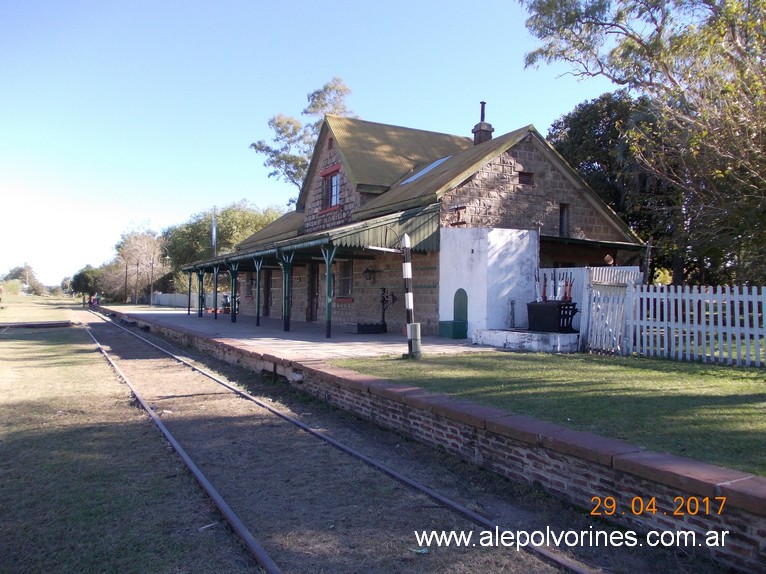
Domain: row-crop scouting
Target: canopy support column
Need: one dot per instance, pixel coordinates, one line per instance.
(328, 254)
(188, 303)
(287, 286)
(216, 269)
(200, 292)
(258, 265)
(233, 268)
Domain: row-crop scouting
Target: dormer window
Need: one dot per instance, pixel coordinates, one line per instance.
(330, 187)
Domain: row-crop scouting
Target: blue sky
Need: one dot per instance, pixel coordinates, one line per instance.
(120, 115)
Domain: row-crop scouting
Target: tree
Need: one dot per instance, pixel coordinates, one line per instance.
(140, 260)
(702, 64)
(26, 275)
(11, 287)
(294, 142)
(592, 138)
(191, 241)
(146, 261)
(86, 281)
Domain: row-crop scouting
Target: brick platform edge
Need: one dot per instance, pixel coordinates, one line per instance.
(572, 465)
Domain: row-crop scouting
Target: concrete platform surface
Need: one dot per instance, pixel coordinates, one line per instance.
(303, 340)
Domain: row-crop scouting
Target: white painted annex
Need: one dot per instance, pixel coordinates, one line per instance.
(496, 268)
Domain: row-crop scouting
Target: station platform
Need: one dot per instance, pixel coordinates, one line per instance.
(303, 340)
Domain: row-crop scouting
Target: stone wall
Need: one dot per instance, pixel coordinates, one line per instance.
(494, 198)
(316, 216)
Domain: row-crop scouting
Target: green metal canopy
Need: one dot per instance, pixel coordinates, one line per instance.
(421, 224)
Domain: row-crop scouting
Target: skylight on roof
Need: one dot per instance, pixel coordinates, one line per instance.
(425, 170)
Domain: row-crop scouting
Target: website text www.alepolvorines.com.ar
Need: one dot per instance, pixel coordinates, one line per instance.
(519, 539)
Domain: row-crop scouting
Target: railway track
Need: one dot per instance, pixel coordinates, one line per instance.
(300, 499)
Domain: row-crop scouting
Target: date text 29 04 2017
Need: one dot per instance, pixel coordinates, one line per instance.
(682, 506)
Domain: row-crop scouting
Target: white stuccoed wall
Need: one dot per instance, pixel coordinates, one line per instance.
(495, 267)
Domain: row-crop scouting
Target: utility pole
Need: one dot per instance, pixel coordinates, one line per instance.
(135, 292)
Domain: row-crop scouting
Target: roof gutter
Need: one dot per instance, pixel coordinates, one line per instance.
(594, 242)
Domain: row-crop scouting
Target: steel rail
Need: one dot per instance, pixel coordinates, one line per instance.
(255, 549)
(566, 564)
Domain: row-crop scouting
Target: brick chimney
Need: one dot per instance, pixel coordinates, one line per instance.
(482, 132)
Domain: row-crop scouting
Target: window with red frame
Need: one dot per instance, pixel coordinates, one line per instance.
(344, 286)
(331, 190)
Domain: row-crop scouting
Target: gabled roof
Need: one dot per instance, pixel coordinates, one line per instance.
(376, 155)
(414, 169)
(428, 183)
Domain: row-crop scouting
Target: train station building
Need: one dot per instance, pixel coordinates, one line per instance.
(483, 214)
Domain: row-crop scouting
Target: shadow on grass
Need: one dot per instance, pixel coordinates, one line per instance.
(102, 497)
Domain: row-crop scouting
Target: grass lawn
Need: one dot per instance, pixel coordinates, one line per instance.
(30, 309)
(709, 413)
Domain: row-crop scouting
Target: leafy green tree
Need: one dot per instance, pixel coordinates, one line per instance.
(702, 64)
(192, 241)
(26, 275)
(289, 154)
(146, 261)
(11, 286)
(592, 138)
(23, 273)
(86, 281)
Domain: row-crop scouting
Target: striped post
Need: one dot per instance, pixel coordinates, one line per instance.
(413, 329)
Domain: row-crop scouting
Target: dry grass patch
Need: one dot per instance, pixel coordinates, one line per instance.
(86, 481)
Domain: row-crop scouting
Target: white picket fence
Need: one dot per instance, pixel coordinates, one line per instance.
(711, 324)
(721, 324)
(607, 290)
